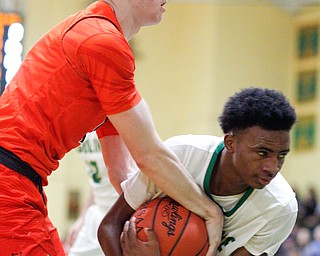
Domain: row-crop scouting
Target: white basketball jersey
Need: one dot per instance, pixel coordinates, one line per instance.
(86, 243)
(104, 193)
(259, 220)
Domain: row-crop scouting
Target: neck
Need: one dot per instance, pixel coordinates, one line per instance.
(123, 13)
(224, 180)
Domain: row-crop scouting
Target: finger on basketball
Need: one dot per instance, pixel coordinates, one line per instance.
(173, 228)
(132, 226)
(151, 236)
(126, 226)
(125, 233)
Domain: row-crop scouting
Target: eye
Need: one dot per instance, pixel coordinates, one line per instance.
(262, 153)
(282, 155)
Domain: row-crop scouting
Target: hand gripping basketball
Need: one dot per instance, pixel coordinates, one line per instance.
(178, 230)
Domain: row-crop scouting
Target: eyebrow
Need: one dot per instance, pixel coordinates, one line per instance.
(269, 150)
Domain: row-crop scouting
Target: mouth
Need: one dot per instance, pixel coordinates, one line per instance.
(163, 3)
(264, 181)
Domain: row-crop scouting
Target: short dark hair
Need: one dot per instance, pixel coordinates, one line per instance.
(266, 108)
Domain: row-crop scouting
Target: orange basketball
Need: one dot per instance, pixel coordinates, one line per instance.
(179, 231)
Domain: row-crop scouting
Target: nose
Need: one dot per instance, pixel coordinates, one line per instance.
(272, 167)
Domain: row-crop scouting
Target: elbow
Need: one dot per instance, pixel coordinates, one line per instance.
(151, 162)
(109, 237)
(101, 233)
(146, 163)
(103, 238)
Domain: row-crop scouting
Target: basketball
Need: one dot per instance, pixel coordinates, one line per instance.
(178, 230)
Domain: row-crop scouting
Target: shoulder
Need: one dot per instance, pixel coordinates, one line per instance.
(280, 195)
(96, 30)
(202, 142)
(96, 44)
(280, 189)
(97, 20)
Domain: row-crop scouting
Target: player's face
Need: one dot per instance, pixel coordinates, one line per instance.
(259, 155)
(149, 12)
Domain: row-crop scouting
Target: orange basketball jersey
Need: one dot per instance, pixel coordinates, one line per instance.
(72, 78)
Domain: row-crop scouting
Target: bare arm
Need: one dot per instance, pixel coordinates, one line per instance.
(111, 227)
(154, 159)
(117, 159)
(110, 232)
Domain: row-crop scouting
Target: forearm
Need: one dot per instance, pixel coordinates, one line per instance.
(111, 227)
(165, 170)
(117, 159)
(159, 163)
(137, 130)
(169, 175)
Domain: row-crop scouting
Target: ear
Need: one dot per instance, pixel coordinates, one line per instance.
(229, 141)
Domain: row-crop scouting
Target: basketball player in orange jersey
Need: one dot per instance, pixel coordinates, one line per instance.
(75, 77)
(240, 171)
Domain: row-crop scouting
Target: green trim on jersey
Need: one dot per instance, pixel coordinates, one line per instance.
(206, 182)
(239, 203)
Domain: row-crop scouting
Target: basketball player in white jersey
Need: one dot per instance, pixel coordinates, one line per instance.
(82, 237)
(239, 171)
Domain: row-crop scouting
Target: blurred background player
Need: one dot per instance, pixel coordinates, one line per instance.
(82, 236)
